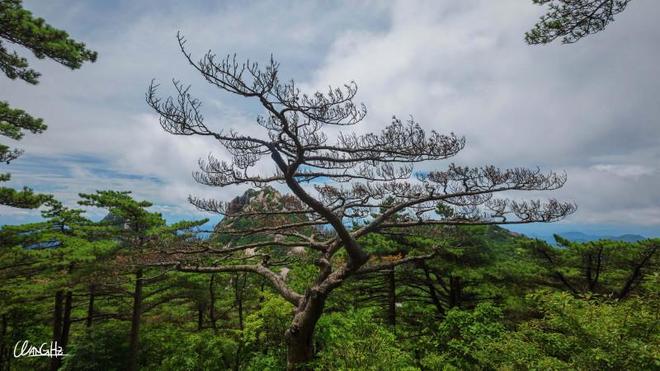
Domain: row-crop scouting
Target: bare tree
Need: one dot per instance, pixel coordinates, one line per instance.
(354, 175)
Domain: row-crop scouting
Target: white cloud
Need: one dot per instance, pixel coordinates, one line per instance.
(634, 171)
(590, 109)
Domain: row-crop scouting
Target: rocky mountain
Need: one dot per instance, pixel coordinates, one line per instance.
(256, 200)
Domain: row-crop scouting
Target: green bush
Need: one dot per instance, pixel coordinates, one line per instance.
(170, 348)
(583, 334)
(101, 347)
(462, 338)
(355, 340)
(265, 347)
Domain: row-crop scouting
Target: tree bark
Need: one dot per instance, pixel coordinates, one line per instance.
(553, 266)
(391, 297)
(300, 335)
(455, 291)
(212, 304)
(433, 292)
(90, 306)
(200, 316)
(3, 350)
(238, 295)
(66, 320)
(135, 323)
(55, 362)
(588, 275)
(599, 265)
(636, 274)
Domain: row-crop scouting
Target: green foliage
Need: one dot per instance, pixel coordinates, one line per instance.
(569, 333)
(170, 348)
(265, 326)
(582, 334)
(474, 264)
(462, 337)
(24, 198)
(379, 244)
(13, 124)
(571, 20)
(102, 347)
(606, 268)
(123, 208)
(264, 343)
(354, 341)
(21, 28)
(491, 314)
(302, 275)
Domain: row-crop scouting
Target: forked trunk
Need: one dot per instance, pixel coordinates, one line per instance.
(300, 335)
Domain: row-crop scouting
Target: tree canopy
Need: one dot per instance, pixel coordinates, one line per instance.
(369, 184)
(572, 20)
(340, 254)
(18, 27)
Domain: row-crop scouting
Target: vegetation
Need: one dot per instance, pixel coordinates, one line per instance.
(19, 28)
(97, 289)
(382, 195)
(572, 20)
(343, 257)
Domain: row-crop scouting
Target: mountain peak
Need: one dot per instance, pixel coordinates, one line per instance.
(239, 203)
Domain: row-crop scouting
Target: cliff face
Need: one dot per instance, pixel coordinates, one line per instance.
(259, 200)
(239, 203)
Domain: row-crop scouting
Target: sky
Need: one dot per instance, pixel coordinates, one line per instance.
(589, 109)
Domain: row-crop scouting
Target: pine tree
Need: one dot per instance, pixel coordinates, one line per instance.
(41, 269)
(137, 232)
(571, 20)
(19, 27)
(358, 170)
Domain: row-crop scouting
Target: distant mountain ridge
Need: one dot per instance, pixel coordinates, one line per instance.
(584, 237)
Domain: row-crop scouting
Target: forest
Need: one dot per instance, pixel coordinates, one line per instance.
(486, 299)
(339, 253)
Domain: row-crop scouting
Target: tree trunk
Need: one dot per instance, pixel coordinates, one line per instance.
(391, 297)
(433, 292)
(238, 295)
(212, 304)
(240, 314)
(135, 323)
(300, 335)
(636, 274)
(599, 265)
(237, 359)
(455, 291)
(200, 316)
(90, 306)
(66, 320)
(588, 262)
(55, 362)
(3, 350)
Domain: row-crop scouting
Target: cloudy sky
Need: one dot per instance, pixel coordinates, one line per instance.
(590, 109)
